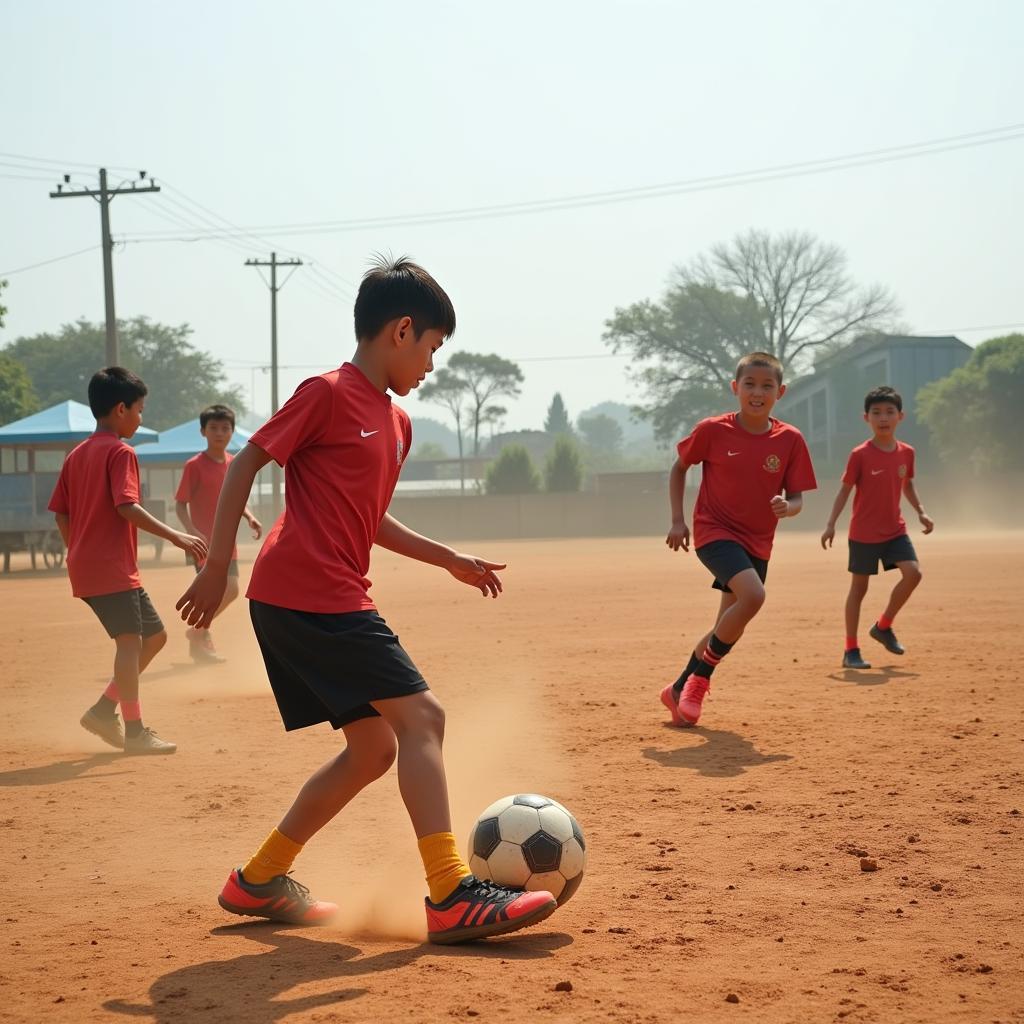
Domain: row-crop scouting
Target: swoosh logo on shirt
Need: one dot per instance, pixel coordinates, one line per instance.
(368, 433)
(875, 472)
(733, 453)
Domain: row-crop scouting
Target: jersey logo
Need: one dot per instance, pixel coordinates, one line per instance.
(368, 433)
(732, 453)
(875, 472)
(399, 452)
(902, 471)
(773, 463)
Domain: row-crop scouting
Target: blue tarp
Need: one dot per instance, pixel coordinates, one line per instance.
(180, 443)
(67, 422)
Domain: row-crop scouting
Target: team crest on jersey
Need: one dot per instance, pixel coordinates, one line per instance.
(399, 451)
(902, 471)
(773, 463)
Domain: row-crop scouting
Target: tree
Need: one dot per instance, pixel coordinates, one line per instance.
(513, 472)
(563, 471)
(485, 377)
(447, 389)
(494, 417)
(789, 295)
(557, 419)
(601, 432)
(429, 450)
(3, 308)
(181, 379)
(967, 412)
(17, 396)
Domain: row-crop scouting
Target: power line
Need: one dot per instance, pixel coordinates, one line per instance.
(657, 191)
(61, 163)
(46, 263)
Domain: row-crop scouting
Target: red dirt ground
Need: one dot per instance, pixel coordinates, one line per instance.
(724, 860)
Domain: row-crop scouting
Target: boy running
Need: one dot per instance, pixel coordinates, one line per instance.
(882, 471)
(96, 505)
(196, 503)
(329, 655)
(755, 470)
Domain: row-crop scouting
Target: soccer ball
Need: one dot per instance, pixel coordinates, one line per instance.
(531, 842)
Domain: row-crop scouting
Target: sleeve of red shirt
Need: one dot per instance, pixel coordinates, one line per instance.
(300, 422)
(851, 476)
(800, 471)
(910, 465)
(694, 449)
(123, 473)
(59, 499)
(186, 485)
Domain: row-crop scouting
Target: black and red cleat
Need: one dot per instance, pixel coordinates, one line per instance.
(478, 909)
(280, 899)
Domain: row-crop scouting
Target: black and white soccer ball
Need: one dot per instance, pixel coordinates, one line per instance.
(531, 842)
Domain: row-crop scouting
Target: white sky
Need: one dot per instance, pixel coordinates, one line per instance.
(274, 113)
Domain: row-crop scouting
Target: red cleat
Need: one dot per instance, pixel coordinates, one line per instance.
(668, 698)
(690, 700)
(477, 909)
(281, 899)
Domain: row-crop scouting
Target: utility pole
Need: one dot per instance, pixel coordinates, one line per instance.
(103, 195)
(274, 263)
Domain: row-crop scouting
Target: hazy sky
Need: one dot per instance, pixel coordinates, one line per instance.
(285, 113)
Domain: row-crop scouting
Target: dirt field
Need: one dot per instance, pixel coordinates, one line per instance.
(724, 860)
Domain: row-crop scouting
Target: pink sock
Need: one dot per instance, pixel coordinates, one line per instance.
(111, 691)
(132, 710)
(884, 623)
(851, 643)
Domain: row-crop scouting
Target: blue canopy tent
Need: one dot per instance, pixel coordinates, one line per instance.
(178, 444)
(32, 450)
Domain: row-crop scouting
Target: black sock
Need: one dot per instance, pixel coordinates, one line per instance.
(677, 686)
(105, 707)
(715, 652)
(133, 728)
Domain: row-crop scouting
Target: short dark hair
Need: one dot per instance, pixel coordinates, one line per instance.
(883, 393)
(765, 359)
(217, 412)
(111, 385)
(394, 288)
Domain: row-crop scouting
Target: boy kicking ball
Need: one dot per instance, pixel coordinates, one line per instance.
(329, 655)
(882, 471)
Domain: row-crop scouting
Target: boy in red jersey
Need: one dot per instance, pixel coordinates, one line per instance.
(196, 503)
(96, 505)
(329, 655)
(755, 470)
(882, 471)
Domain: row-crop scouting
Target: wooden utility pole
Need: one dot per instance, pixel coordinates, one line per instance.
(274, 263)
(103, 195)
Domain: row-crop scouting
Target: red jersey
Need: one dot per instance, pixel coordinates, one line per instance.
(879, 477)
(742, 472)
(97, 476)
(200, 488)
(342, 444)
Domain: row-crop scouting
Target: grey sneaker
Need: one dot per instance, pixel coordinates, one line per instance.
(107, 727)
(887, 638)
(852, 659)
(147, 742)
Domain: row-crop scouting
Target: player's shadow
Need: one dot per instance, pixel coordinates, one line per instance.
(253, 987)
(62, 771)
(871, 676)
(723, 754)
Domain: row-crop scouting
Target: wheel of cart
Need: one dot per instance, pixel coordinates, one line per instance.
(53, 550)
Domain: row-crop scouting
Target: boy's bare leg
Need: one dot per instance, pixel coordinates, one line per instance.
(418, 724)
(151, 647)
(728, 600)
(748, 593)
(854, 599)
(369, 753)
(127, 658)
(910, 577)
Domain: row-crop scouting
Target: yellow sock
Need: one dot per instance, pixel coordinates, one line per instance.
(273, 858)
(442, 863)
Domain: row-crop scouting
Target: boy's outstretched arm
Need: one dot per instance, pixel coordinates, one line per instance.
(790, 505)
(679, 533)
(829, 533)
(911, 492)
(200, 602)
(477, 572)
(142, 520)
(181, 511)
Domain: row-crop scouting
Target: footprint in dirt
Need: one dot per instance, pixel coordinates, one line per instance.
(721, 754)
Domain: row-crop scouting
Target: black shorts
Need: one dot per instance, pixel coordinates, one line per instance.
(232, 565)
(725, 558)
(329, 667)
(127, 611)
(864, 558)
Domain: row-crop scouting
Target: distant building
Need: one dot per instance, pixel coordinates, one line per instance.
(828, 404)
